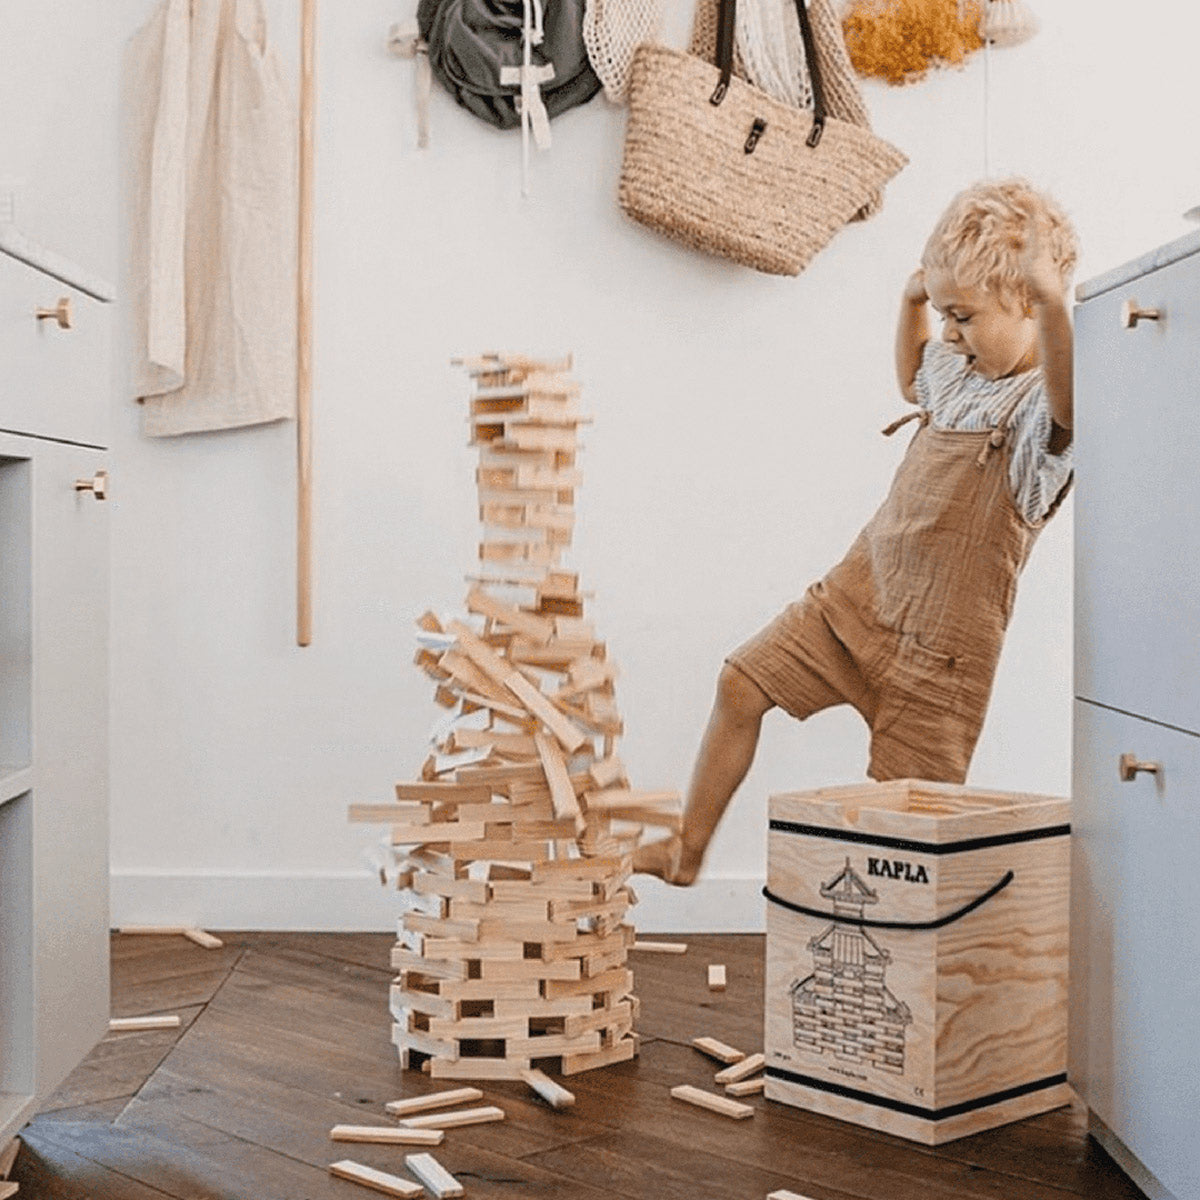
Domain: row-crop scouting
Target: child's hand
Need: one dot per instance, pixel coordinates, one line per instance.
(1042, 277)
(669, 860)
(914, 289)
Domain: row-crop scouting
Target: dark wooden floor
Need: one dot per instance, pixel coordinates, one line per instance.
(286, 1035)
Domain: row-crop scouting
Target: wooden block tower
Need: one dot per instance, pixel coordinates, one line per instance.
(514, 850)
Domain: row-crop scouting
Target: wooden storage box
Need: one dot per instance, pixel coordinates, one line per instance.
(929, 1032)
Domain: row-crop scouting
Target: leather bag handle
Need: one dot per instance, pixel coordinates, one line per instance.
(726, 30)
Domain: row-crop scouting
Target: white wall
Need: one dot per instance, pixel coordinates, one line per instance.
(735, 453)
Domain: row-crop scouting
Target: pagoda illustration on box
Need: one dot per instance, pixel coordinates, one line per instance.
(844, 1007)
(513, 851)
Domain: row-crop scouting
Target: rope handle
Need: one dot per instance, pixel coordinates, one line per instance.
(867, 922)
(726, 31)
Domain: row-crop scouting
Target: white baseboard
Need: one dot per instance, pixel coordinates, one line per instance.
(342, 901)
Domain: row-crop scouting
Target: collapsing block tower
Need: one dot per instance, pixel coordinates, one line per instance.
(514, 850)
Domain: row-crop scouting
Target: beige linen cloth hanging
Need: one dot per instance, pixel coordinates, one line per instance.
(213, 258)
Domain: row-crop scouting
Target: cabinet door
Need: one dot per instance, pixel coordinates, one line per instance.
(1137, 539)
(70, 756)
(54, 382)
(1134, 1053)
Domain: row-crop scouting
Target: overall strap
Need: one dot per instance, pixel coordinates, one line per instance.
(917, 414)
(999, 434)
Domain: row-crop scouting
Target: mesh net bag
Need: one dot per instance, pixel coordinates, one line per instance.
(612, 30)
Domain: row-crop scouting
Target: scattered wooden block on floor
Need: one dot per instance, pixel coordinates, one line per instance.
(439, 1183)
(747, 1087)
(381, 1181)
(553, 1093)
(742, 1070)
(661, 947)
(452, 1120)
(203, 938)
(717, 1050)
(416, 1104)
(714, 1103)
(141, 1024)
(716, 977)
(388, 1135)
(8, 1189)
(784, 1194)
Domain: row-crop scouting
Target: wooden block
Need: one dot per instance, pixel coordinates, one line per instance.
(446, 793)
(747, 1087)
(618, 981)
(8, 1190)
(410, 813)
(479, 1027)
(500, 850)
(562, 793)
(381, 1181)
(553, 1093)
(491, 989)
(661, 947)
(415, 1039)
(716, 977)
(441, 927)
(454, 1120)
(402, 1001)
(607, 772)
(438, 1182)
(612, 1016)
(139, 1024)
(595, 869)
(568, 1006)
(540, 629)
(203, 938)
(784, 1194)
(406, 960)
(713, 1102)
(623, 1051)
(451, 948)
(477, 1068)
(552, 1045)
(557, 973)
(569, 734)
(717, 1050)
(425, 883)
(615, 799)
(750, 1065)
(412, 1105)
(387, 1135)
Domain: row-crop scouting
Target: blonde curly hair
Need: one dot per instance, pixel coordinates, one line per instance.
(980, 237)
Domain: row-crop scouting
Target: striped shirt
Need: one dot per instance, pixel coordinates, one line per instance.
(958, 398)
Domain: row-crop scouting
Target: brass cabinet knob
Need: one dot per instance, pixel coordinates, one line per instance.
(1131, 314)
(1129, 766)
(97, 485)
(60, 313)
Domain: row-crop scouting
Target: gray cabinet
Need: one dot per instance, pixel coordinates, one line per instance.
(1135, 922)
(53, 689)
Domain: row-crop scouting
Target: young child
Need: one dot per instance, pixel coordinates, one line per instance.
(908, 626)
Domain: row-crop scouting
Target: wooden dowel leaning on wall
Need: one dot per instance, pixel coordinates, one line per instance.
(304, 322)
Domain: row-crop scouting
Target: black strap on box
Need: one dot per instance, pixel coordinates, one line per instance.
(726, 31)
(870, 923)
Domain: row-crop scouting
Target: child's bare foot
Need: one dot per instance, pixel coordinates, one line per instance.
(669, 860)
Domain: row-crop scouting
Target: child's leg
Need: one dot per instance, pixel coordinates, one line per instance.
(725, 755)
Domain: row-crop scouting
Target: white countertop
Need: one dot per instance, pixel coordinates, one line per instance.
(1152, 260)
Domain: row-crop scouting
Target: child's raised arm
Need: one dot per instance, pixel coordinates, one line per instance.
(912, 332)
(1055, 339)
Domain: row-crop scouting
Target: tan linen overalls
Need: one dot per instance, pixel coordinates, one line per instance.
(908, 626)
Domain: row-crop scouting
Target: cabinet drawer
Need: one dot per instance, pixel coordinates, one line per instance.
(54, 382)
(1134, 1043)
(1137, 438)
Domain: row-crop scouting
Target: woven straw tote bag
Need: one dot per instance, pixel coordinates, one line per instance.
(719, 165)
